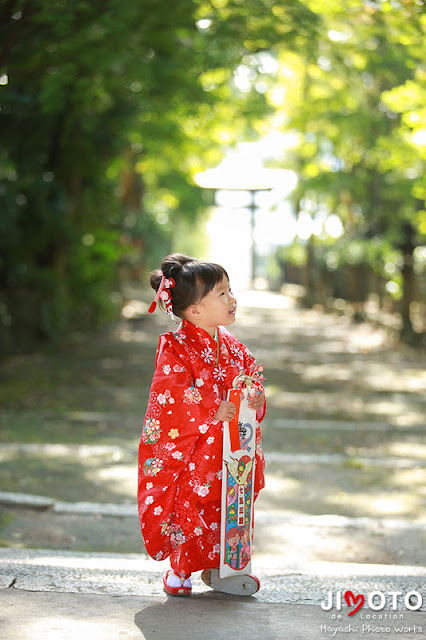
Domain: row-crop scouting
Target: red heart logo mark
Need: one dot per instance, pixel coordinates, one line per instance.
(359, 598)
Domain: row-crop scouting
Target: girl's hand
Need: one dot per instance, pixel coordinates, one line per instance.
(226, 411)
(257, 401)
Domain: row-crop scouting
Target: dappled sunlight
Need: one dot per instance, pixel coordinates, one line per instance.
(333, 333)
(134, 310)
(278, 486)
(118, 479)
(367, 338)
(378, 504)
(289, 493)
(129, 335)
(298, 542)
(406, 449)
(375, 376)
(329, 372)
(340, 335)
(414, 479)
(382, 377)
(352, 488)
(340, 404)
(396, 410)
(96, 474)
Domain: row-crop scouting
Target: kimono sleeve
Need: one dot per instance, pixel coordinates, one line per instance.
(176, 411)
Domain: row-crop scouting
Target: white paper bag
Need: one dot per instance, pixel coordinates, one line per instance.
(239, 446)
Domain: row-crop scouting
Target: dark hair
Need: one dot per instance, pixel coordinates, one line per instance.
(193, 278)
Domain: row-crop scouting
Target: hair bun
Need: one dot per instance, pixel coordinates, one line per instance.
(193, 279)
(172, 265)
(155, 279)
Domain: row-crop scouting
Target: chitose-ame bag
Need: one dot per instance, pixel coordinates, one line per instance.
(239, 445)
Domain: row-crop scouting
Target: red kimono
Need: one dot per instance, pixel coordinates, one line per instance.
(180, 452)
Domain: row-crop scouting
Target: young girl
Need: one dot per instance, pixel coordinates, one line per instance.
(180, 453)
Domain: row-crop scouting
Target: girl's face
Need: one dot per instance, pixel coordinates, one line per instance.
(244, 538)
(218, 307)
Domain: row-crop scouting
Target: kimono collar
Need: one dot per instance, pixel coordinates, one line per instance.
(194, 333)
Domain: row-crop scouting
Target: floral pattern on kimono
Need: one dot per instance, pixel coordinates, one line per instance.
(180, 452)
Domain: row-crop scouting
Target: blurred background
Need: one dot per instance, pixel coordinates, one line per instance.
(284, 139)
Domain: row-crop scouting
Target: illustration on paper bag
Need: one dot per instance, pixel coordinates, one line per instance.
(238, 510)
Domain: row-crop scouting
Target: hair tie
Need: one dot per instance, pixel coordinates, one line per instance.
(164, 294)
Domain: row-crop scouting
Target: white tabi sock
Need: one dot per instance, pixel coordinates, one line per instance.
(175, 581)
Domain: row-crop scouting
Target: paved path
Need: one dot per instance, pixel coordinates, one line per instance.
(283, 581)
(67, 616)
(343, 509)
(47, 595)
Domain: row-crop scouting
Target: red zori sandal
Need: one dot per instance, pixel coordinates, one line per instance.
(176, 585)
(237, 585)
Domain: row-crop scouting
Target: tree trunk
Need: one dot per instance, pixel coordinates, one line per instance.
(409, 284)
(311, 276)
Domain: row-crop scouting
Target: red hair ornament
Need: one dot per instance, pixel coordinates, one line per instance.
(163, 293)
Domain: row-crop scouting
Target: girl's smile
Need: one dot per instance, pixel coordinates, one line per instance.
(218, 307)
